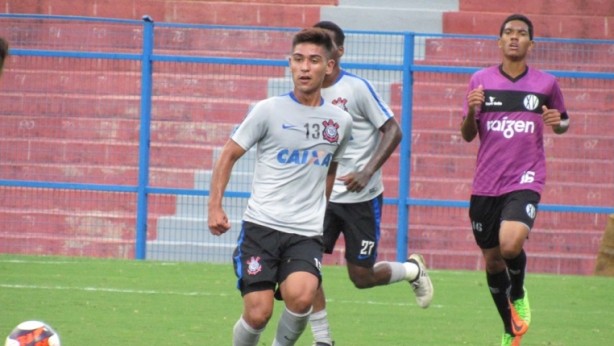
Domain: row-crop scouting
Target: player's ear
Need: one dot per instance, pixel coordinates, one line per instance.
(330, 64)
(340, 51)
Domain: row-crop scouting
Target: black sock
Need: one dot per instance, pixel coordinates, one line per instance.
(516, 267)
(499, 285)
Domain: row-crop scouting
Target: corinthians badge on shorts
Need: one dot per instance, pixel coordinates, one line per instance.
(330, 132)
(253, 266)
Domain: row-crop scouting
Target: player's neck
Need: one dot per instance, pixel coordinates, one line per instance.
(514, 68)
(312, 99)
(331, 78)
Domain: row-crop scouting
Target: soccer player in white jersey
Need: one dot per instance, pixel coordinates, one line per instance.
(510, 106)
(299, 139)
(355, 207)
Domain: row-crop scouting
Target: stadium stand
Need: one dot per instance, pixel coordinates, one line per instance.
(559, 246)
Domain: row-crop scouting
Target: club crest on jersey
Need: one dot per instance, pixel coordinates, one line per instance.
(330, 132)
(341, 103)
(253, 266)
(531, 102)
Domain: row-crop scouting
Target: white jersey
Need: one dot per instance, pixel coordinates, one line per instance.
(369, 112)
(295, 147)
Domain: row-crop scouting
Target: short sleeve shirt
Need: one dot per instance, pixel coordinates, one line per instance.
(295, 145)
(511, 155)
(357, 96)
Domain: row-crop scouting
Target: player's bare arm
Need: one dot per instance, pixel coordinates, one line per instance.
(217, 219)
(469, 127)
(390, 139)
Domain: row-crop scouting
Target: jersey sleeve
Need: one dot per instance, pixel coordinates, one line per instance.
(556, 100)
(372, 106)
(252, 128)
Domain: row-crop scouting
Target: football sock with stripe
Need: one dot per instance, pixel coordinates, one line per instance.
(516, 268)
(291, 325)
(320, 327)
(244, 335)
(499, 285)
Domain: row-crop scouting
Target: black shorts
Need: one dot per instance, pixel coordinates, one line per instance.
(265, 257)
(360, 225)
(487, 213)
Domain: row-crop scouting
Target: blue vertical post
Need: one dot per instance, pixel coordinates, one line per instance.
(405, 157)
(144, 139)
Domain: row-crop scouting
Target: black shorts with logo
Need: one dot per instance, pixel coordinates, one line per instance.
(265, 257)
(487, 213)
(360, 225)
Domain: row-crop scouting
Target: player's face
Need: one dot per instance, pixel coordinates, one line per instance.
(515, 41)
(309, 66)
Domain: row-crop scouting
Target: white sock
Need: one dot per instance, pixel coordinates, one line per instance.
(411, 270)
(320, 327)
(244, 335)
(397, 270)
(290, 327)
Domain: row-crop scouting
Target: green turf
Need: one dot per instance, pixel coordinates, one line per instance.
(93, 302)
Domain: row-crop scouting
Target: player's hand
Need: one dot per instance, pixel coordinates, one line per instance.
(551, 117)
(218, 222)
(355, 181)
(475, 99)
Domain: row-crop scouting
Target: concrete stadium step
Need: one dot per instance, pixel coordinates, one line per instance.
(390, 15)
(104, 153)
(104, 175)
(45, 223)
(545, 55)
(126, 107)
(545, 7)
(114, 130)
(188, 239)
(546, 25)
(255, 13)
(53, 245)
(124, 84)
(224, 42)
(104, 203)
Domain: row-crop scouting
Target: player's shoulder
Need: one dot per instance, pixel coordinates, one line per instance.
(353, 79)
(537, 73)
(329, 108)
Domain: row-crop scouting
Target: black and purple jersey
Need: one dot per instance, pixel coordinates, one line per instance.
(511, 155)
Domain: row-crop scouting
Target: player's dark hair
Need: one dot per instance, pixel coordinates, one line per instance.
(339, 35)
(316, 36)
(4, 51)
(519, 17)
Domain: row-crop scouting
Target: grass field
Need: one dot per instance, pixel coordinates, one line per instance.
(93, 302)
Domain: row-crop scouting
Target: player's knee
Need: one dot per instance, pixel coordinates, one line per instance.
(257, 318)
(509, 251)
(495, 265)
